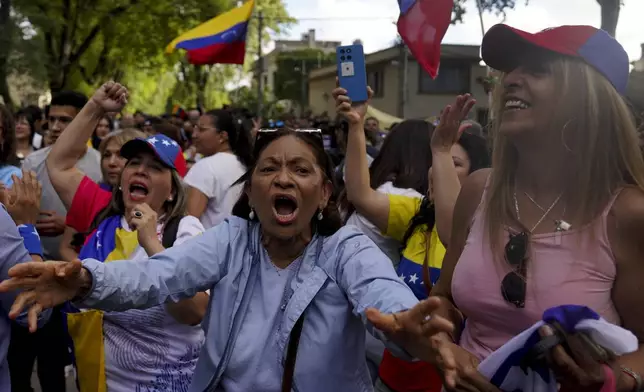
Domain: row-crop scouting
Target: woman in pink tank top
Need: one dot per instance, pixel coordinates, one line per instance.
(559, 219)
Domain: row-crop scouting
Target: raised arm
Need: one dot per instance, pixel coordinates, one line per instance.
(464, 209)
(372, 204)
(72, 143)
(445, 182)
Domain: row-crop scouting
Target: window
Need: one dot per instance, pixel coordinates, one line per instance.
(453, 78)
(376, 80)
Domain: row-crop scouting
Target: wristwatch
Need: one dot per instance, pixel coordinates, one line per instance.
(639, 385)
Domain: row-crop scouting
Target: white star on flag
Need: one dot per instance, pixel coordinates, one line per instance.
(402, 276)
(153, 140)
(413, 278)
(98, 245)
(174, 143)
(166, 143)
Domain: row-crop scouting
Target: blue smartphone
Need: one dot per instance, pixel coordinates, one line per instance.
(352, 72)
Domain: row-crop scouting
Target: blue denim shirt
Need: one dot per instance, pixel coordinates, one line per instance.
(12, 252)
(338, 279)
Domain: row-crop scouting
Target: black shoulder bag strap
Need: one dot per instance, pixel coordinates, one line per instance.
(294, 341)
(170, 232)
(291, 355)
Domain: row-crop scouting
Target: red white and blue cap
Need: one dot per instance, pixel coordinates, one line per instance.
(504, 48)
(167, 150)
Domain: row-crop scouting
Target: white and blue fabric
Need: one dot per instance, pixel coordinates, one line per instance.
(506, 369)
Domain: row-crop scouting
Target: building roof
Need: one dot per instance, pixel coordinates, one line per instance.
(470, 52)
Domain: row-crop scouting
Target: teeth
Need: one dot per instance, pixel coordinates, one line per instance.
(515, 104)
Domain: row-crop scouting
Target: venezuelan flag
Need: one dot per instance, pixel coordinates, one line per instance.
(110, 242)
(221, 40)
(178, 111)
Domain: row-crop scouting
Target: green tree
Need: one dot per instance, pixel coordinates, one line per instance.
(88, 41)
(207, 85)
(6, 40)
(293, 68)
(85, 42)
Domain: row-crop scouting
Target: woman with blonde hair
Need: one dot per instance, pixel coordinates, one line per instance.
(558, 220)
(143, 214)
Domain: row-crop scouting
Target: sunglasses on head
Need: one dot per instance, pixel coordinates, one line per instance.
(513, 285)
(267, 135)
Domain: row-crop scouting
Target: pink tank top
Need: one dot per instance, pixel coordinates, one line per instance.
(572, 267)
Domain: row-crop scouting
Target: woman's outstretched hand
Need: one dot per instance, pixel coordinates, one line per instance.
(425, 336)
(415, 329)
(354, 114)
(44, 285)
(449, 128)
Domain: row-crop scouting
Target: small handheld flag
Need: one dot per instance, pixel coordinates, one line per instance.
(422, 25)
(221, 40)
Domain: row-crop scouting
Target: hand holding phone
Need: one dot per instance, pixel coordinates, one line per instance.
(352, 73)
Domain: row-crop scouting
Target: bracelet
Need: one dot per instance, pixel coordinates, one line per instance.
(31, 239)
(639, 385)
(610, 382)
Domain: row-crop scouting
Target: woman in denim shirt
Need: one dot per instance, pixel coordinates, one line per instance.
(282, 272)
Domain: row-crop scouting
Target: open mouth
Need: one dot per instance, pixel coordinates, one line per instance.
(138, 191)
(285, 209)
(512, 104)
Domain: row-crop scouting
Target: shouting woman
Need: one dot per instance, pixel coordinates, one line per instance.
(142, 215)
(295, 289)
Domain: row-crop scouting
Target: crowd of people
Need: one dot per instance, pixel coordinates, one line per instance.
(213, 251)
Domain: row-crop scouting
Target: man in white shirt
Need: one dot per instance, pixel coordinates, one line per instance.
(64, 107)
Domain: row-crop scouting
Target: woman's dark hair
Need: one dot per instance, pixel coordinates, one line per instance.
(169, 130)
(404, 159)
(69, 98)
(96, 141)
(8, 139)
(31, 120)
(238, 137)
(479, 154)
(331, 221)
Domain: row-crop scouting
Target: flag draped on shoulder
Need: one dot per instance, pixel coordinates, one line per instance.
(221, 40)
(422, 25)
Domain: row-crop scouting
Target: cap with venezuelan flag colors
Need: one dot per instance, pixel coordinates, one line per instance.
(167, 150)
(504, 47)
(221, 40)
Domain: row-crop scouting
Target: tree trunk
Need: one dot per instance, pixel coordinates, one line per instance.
(610, 15)
(202, 78)
(6, 37)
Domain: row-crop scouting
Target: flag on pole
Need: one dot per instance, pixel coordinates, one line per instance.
(422, 25)
(221, 40)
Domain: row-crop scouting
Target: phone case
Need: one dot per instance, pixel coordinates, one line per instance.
(352, 73)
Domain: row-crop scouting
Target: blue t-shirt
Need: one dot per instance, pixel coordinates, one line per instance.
(6, 171)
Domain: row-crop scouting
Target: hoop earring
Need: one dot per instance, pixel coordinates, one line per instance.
(251, 214)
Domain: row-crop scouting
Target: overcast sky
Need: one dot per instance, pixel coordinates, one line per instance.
(374, 20)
